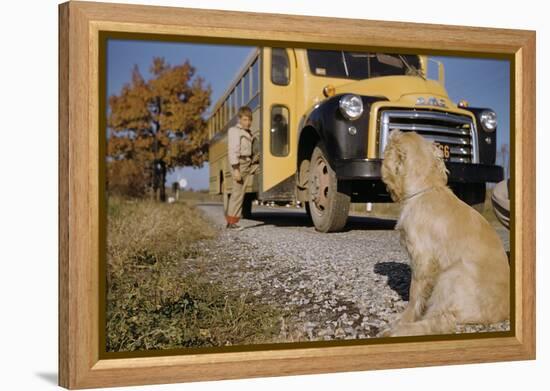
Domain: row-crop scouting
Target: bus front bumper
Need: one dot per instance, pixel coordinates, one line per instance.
(370, 169)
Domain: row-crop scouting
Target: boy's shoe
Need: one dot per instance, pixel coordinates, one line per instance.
(234, 226)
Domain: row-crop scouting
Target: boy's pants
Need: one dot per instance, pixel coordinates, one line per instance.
(233, 207)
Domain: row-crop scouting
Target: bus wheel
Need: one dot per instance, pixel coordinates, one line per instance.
(328, 200)
(247, 205)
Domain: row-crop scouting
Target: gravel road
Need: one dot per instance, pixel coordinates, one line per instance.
(344, 285)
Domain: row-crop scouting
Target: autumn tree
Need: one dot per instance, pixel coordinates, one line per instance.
(155, 126)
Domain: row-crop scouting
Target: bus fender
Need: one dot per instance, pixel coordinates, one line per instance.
(343, 138)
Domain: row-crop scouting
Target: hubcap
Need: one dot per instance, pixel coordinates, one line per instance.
(320, 185)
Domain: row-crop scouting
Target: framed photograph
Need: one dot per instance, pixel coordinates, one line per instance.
(248, 195)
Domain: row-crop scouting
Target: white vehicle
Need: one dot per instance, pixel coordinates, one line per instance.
(501, 202)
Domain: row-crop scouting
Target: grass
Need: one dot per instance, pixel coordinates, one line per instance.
(152, 303)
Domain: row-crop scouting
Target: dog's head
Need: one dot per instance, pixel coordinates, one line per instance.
(410, 164)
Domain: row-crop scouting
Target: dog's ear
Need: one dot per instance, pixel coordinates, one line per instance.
(394, 154)
(398, 158)
(393, 166)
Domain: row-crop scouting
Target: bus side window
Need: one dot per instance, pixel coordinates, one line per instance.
(280, 69)
(279, 131)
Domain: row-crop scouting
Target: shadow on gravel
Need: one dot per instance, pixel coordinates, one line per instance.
(369, 223)
(300, 219)
(399, 277)
(281, 219)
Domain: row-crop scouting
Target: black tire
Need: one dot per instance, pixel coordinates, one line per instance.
(247, 205)
(329, 199)
(303, 181)
(308, 211)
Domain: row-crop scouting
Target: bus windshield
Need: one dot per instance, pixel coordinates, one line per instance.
(361, 65)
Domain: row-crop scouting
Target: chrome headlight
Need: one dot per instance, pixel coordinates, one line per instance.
(488, 119)
(351, 106)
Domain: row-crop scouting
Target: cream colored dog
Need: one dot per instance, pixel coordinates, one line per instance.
(460, 271)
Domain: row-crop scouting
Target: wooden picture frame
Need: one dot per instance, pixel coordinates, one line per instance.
(80, 24)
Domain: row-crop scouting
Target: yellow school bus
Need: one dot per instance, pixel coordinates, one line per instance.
(322, 119)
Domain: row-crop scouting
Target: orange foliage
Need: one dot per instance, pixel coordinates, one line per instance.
(181, 136)
(127, 177)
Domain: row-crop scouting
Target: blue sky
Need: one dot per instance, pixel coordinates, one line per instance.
(482, 82)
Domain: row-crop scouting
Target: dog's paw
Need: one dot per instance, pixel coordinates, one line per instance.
(397, 330)
(386, 332)
(409, 330)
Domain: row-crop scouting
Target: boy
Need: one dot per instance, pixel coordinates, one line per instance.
(243, 165)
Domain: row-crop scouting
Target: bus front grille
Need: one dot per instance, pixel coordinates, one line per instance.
(455, 131)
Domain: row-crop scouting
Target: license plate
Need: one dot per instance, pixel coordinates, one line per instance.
(445, 149)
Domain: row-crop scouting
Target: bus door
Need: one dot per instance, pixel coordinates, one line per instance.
(278, 128)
